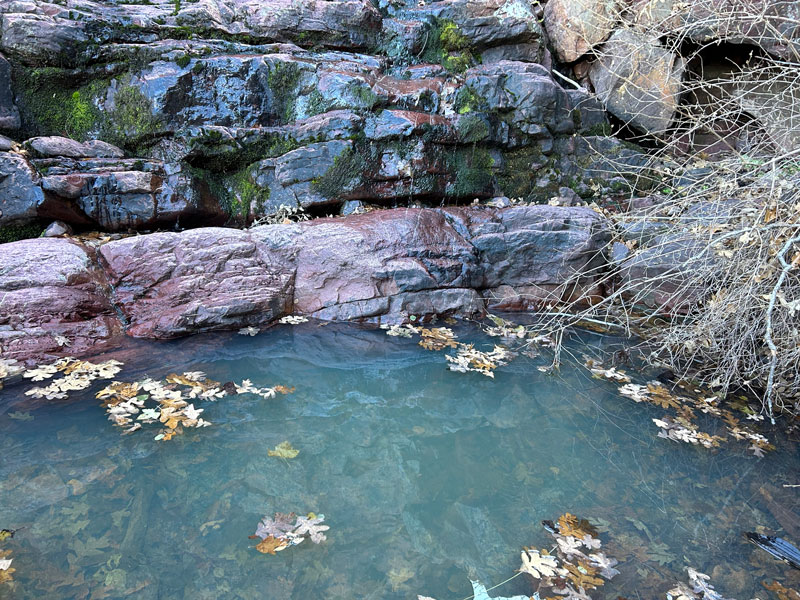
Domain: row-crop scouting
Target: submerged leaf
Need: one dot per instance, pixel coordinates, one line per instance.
(284, 450)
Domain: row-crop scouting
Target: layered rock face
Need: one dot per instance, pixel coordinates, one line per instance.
(223, 111)
(384, 265)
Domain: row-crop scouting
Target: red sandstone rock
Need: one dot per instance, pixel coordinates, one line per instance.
(51, 292)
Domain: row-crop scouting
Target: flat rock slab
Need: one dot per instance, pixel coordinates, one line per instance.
(383, 265)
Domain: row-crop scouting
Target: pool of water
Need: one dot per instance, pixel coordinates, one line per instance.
(426, 477)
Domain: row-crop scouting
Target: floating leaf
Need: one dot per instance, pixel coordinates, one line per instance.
(438, 338)
(583, 575)
(537, 565)
(311, 526)
(6, 534)
(570, 525)
(278, 526)
(271, 545)
(284, 450)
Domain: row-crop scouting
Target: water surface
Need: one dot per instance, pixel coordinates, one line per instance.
(426, 478)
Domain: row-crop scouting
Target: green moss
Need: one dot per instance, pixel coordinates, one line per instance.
(177, 7)
(316, 104)
(183, 61)
(220, 157)
(362, 94)
(343, 176)
(54, 102)
(449, 47)
(473, 170)
(246, 196)
(282, 81)
(468, 100)
(132, 120)
(518, 176)
(473, 128)
(15, 233)
(603, 129)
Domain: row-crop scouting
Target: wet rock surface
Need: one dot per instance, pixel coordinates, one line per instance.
(383, 265)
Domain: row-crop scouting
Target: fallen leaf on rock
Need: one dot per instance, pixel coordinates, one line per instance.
(284, 450)
(292, 320)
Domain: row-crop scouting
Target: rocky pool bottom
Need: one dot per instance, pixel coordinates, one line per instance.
(427, 478)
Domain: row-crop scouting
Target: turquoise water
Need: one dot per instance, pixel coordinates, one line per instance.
(426, 477)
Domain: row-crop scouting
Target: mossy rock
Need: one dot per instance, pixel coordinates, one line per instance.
(15, 233)
(346, 174)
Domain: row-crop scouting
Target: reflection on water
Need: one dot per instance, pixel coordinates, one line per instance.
(426, 478)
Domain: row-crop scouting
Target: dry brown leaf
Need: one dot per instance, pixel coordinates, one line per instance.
(271, 545)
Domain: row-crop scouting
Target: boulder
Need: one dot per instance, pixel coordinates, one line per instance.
(382, 265)
(662, 276)
(55, 301)
(768, 24)
(20, 194)
(55, 146)
(365, 260)
(576, 26)
(168, 284)
(57, 229)
(524, 92)
(638, 80)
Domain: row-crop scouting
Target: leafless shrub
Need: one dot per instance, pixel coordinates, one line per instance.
(712, 281)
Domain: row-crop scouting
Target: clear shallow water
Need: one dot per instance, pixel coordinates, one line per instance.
(426, 478)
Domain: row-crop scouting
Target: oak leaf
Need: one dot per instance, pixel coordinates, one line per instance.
(271, 545)
(569, 524)
(537, 565)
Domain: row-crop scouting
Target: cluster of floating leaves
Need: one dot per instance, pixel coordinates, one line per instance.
(578, 566)
(288, 529)
(467, 358)
(699, 588)
(682, 426)
(169, 401)
(75, 374)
